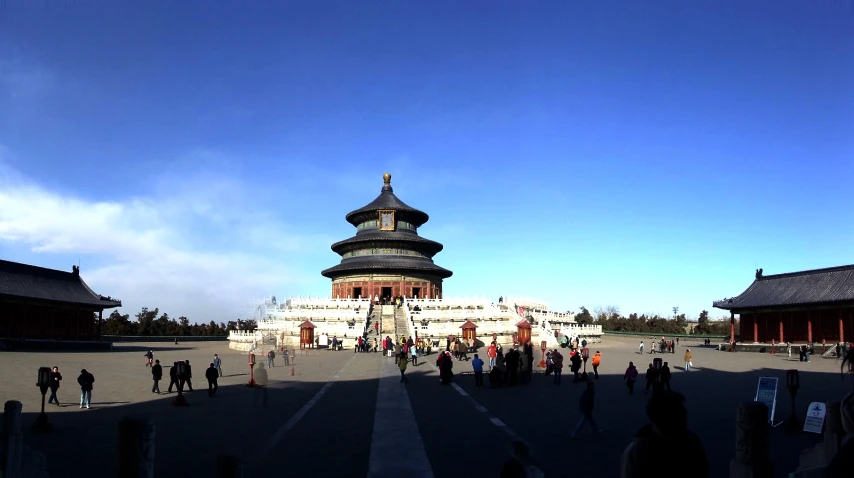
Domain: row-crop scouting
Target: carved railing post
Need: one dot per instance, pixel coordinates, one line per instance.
(13, 441)
(136, 447)
(833, 431)
(751, 442)
(229, 466)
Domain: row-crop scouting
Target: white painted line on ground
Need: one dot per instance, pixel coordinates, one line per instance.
(495, 420)
(280, 433)
(396, 444)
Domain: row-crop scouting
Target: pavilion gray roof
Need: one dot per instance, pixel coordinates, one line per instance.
(39, 283)
(813, 287)
(387, 263)
(388, 201)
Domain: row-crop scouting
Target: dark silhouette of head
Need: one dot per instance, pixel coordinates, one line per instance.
(667, 412)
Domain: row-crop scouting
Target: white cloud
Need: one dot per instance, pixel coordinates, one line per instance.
(193, 252)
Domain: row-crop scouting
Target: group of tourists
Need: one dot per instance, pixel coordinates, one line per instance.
(85, 380)
(661, 346)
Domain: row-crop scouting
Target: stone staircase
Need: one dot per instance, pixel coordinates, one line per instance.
(387, 319)
(400, 324)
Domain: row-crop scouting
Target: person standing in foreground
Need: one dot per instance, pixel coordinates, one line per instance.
(687, 360)
(557, 368)
(156, 375)
(585, 406)
(668, 431)
(55, 378)
(85, 380)
(402, 361)
(477, 366)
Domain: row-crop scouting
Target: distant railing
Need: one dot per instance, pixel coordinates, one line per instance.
(723, 337)
(164, 338)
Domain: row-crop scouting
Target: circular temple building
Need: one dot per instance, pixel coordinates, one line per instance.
(387, 258)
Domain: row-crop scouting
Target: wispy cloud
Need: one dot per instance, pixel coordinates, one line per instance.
(193, 251)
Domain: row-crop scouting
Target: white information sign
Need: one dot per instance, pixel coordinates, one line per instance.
(766, 392)
(815, 417)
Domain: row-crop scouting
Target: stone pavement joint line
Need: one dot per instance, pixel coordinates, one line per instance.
(396, 444)
(492, 418)
(280, 433)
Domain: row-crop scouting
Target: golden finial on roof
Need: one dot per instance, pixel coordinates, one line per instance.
(387, 179)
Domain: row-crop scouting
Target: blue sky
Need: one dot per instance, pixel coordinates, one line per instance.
(646, 155)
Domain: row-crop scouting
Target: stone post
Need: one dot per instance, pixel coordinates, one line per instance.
(751, 442)
(229, 466)
(136, 447)
(833, 431)
(13, 441)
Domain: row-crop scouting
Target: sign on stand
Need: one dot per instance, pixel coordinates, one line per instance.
(766, 393)
(815, 417)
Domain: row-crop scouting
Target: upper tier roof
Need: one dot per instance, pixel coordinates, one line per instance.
(31, 282)
(812, 287)
(410, 240)
(387, 200)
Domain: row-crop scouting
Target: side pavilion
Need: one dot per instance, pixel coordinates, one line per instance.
(47, 304)
(803, 306)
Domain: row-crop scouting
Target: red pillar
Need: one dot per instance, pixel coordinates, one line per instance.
(781, 328)
(841, 327)
(809, 326)
(755, 328)
(731, 327)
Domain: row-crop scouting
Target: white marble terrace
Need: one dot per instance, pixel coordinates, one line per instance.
(437, 318)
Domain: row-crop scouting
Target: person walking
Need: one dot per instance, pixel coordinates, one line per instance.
(640, 349)
(665, 376)
(630, 376)
(402, 361)
(477, 366)
(491, 353)
(687, 360)
(286, 357)
(173, 376)
(271, 356)
(413, 352)
(597, 359)
(218, 364)
(86, 381)
(651, 377)
(189, 375)
(212, 375)
(55, 378)
(156, 375)
(585, 406)
(150, 356)
(557, 367)
(376, 328)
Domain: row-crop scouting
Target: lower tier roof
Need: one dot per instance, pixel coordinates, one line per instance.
(375, 264)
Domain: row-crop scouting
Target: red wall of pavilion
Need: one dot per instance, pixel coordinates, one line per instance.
(762, 327)
(371, 289)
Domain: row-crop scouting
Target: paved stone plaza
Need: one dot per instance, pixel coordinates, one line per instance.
(460, 431)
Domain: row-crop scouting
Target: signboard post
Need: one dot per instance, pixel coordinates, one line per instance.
(815, 417)
(766, 393)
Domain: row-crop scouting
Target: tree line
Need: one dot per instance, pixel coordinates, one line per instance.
(611, 320)
(153, 323)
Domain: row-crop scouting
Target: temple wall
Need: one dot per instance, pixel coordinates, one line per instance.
(19, 320)
(401, 285)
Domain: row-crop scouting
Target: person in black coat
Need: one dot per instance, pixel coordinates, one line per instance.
(156, 374)
(212, 375)
(188, 375)
(55, 378)
(173, 376)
